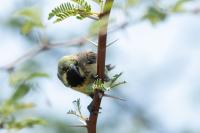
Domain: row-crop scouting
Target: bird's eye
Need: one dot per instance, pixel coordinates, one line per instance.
(65, 69)
(76, 63)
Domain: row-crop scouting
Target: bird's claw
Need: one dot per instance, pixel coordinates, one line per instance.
(91, 109)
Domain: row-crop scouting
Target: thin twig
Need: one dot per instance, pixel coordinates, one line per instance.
(77, 125)
(109, 44)
(45, 46)
(28, 55)
(117, 98)
(93, 17)
(93, 43)
(73, 42)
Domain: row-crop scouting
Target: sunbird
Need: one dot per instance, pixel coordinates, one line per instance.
(79, 71)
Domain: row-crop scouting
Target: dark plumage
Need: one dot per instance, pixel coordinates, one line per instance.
(78, 71)
(74, 79)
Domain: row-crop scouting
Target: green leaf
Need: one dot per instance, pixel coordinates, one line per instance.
(28, 122)
(77, 111)
(30, 18)
(131, 3)
(98, 84)
(155, 15)
(113, 82)
(22, 106)
(26, 27)
(20, 92)
(37, 75)
(6, 109)
(178, 7)
(30, 12)
(97, 1)
(9, 107)
(30, 66)
(83, 4)
(80, 10)
(17, 78)
(78, 106)
(21, 76)
(96, 25)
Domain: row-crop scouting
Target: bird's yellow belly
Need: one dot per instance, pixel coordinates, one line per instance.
(85, 88)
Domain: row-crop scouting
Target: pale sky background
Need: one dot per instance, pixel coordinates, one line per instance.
(160, 63)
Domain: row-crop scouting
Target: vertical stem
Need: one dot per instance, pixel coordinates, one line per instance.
(101, 55)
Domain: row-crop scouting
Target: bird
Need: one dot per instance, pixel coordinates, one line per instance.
(79, 71)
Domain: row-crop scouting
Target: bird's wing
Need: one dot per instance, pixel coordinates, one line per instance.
(91, 57)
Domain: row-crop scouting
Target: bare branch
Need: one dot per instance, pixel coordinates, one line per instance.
(73, 42)
(27, 55)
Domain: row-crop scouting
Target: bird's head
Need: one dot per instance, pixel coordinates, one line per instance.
(69, 71)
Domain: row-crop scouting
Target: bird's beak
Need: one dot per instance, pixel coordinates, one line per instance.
(73, 67)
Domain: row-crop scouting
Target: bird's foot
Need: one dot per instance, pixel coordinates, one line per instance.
(92, 109)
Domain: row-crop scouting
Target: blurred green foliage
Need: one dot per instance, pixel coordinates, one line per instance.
(29, 18)
(179, 6)
(131, 3)
(11, 106)
(155, 15)
(21, 76)
(28, 122)
(24, 79)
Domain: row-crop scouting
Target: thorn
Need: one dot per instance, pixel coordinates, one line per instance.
(117, 98)
(109, 67)
(93, 17)
(109, 44)
(95, 44)
(77, 126)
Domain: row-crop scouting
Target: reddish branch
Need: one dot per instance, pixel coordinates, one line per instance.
(43, 47)
(101, 55)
